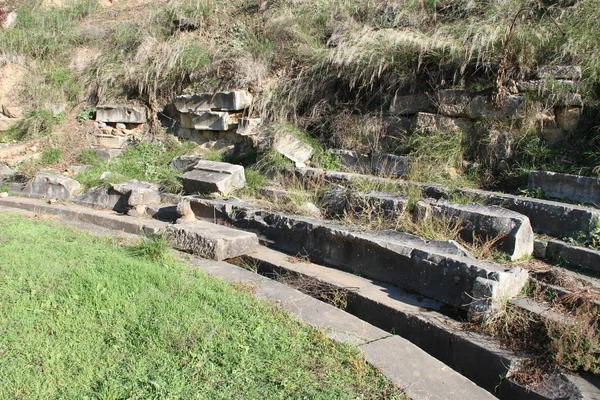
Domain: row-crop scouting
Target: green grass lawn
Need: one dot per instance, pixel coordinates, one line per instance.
(85, 317)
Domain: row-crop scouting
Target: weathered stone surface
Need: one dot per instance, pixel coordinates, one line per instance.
(292, 148)
(111, 142)
(460, 103)
(212, 176)
(101, 197)
(8, 18)
(566, 100)
(412, 104)
(138, 193)
(52, 186)
(209, 240)
(225, 101)
(435, 379)
(387, 204)
(559, 72)
(543, 87)
(403, 260)
(207, 121)
(185, 163)
(353, 160)
(486, 222)
(549, 217)
(566, 186)
(390, 165)
(124, 114)
(335, 200)
(576, 256)
(431, 123)
(248, 126)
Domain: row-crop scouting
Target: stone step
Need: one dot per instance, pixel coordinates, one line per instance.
(435, 269)
(576, 256)
(574, 188)
(419, 320)
(548, 217)
(420, 375)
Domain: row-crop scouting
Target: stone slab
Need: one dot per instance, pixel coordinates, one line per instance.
(571, 72)
(412, 104)
(138, 192)
(101, 197)
(419, 376)
(487, 223)
(390, 165)
(234, 100)
(122, 114)
(249, 126)
(51, 186)
(353, 160)
(461, 103)
(429, 123)
(110, 141)
(292, 148)
(566, 186)
(577, 256)
(212, 241)
(212, 176)
(185, 163)
(207, 121)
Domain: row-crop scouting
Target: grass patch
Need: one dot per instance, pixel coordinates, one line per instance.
(36, 124)
(85, 318)
(148, 161)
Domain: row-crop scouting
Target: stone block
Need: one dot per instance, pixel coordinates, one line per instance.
(101, 197)
(412, 104)
(431, 123)
(549, 217)
(559, 72)
(51, 186)
(488, 223)
(138, 193)
(12, 111)
(108, 154)
(110, 141)
(390, 165)
(209, 240)
(212, 176)
(567, 100)
(184, 163)
(388, 204)
(207, 121)
(573, 255)
(460, 103)
(123, 114)
(335, 200)
(544, 87)
(436, 270)
(566, 186)
(234, 100)
(292, 148)
(353, 160)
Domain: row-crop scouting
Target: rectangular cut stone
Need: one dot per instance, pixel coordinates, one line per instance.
(110, 141)
(213, 176)
(573, 255)
(438, 270)
(487, 222)
(549, 217)
(292, 148)
(207, 121)
(559, 72)
(431, 123)
(353, 160)
(389, 165)
(566, 186)
(460, 103)
(209, 240)
(123, 114)
(234, 100)
(412, 104)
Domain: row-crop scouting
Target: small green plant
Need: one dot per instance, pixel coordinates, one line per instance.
(254, 181)
(51, 157)
(85, 114)
(88, 157)
(154, 249)
(36, 124)
(536, 193)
